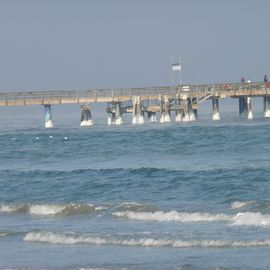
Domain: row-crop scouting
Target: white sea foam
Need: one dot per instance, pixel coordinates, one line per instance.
(69, 239)
(47, 209)
(251, 219)
(9, 208)
(44, 210)
(51, 209)
(239, 219)
(100, 208)
(173, 216)
(238, 204)
(3, 234)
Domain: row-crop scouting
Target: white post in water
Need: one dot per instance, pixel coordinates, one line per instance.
(249, 108)
(215, 112)
(86, 119)
(266, 105)
(164, 110)
(48, 116)
(138, 117)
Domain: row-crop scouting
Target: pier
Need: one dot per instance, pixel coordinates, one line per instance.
(152, 104)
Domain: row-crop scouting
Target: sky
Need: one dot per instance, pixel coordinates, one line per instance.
(66, 45)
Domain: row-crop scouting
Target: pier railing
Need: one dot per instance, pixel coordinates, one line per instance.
(103, 95)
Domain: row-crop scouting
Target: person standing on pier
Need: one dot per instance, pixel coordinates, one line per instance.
(242, 79)
(265, 79)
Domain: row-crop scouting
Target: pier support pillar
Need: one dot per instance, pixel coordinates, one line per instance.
(185, 105)
(138, 116)
(266, 106)
(115, 117)
(193, 114)
(245, 110)
(165, 116)
(48, 116)
(249, 108)
(86, 119)
(243, 107)
(152, 117)
(215, 112)
(179, 115)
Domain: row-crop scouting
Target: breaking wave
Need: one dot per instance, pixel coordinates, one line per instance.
(8, 208)
(240, 219)
(251, 219)
(72, 238)
(238, 204)
(48, 209)
(140, 212)
(69, 209)
(173, 216)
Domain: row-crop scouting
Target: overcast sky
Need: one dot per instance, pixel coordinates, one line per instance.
(83, 44)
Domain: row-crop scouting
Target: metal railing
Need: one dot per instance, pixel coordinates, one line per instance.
(204, 89)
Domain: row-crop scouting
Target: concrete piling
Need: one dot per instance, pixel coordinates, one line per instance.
(245, 109)
(86, 118)
(266, 106)
(48, 116)
(215, 110)
(115, 114)
(165, 115)
(138, 115)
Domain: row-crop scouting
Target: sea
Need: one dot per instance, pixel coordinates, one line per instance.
(178, 196)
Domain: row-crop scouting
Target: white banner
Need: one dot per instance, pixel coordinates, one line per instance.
(176, 67)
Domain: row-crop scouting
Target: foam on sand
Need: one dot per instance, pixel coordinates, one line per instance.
(71, 238)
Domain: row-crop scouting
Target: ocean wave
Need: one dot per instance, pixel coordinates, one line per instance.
(70, 208)
(137, 211)
(240, 204)
(173, 216)
(133, 206)
(72, 238)
(240, 219)
(48, 209)
(9, 208)
(251, 219)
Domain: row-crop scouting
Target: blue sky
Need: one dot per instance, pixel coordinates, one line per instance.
(83, 44)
